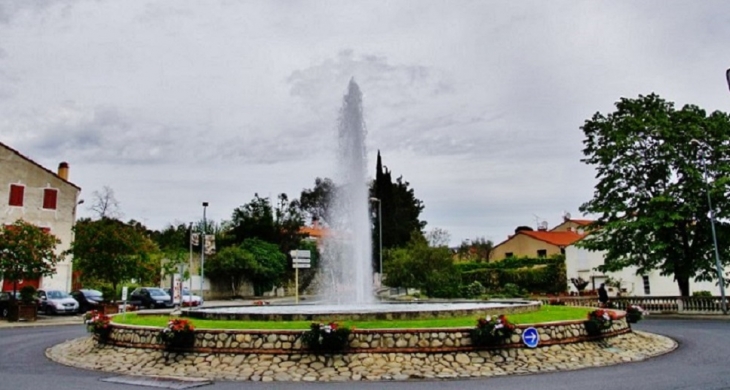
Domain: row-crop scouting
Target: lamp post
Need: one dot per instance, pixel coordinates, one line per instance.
(380, 236)
(202, 251)
(718, 264)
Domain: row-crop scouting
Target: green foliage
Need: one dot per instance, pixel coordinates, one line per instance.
(28, 294)
(651, 197)
(255, 260)
(316, 202)
(420, 266)
(322, 338)
(472, 290)
(702, 293)
(26, 252)
(108, 250)
(400, 211)
(539, 275)
(109, 294)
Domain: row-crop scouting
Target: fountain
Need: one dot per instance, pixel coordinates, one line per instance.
(346, 254)
(346, 274)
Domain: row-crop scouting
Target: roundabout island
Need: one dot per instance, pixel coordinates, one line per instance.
(369, 354)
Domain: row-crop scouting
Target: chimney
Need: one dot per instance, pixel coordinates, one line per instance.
(63, 170)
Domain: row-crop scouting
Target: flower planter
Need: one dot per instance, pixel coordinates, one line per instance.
(22, 311)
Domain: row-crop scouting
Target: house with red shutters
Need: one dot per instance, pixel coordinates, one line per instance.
(44, 198)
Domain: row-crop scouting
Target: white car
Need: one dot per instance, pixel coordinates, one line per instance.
(56, 302)
(188, 299)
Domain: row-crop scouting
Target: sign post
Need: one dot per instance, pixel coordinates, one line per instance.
(300, 259)
(125, 290)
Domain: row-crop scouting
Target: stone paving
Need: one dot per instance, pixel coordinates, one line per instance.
(85, 353)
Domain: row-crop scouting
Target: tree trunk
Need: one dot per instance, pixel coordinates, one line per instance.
(683, 283)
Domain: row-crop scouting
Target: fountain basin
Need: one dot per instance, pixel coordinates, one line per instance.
(363, 312)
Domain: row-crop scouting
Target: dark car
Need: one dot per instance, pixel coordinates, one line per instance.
(5, 298)
(88, 299)
(150, 297)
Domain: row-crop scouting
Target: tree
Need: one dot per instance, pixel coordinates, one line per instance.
(418, 265)
(173, 242)
(111, 251)
(478, 249)
(651, 194)
(315, 203)
(438, 237)
(26, 252)
(400, 211)
(258, 219)
(231, 266)
(104, 204)
(258, 261)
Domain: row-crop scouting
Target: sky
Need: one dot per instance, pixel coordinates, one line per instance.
(477, 104)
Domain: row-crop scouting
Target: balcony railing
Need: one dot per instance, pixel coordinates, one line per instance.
(655, 305)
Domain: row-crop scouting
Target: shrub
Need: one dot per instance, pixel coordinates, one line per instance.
(598, 321)
(472, 290)
(326, 338)
(491, 331)
(98, 324)
(702, 293)
(27, 295)
(178, 334)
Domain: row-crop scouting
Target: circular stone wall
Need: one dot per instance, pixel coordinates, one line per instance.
(382, 311)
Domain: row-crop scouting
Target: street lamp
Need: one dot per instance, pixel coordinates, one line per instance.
(718, 265)
(202, 251)
(380, 235)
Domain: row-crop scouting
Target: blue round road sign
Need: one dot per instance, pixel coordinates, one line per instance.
(530, 337)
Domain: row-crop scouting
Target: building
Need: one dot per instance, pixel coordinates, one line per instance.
(581, 263)
(44, 198)
(541, 242)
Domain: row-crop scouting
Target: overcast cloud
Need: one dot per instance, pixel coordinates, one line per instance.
(478, 104)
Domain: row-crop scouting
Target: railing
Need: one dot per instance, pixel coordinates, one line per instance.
(654, 305)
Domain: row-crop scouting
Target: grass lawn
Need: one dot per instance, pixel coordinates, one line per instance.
(545, 314)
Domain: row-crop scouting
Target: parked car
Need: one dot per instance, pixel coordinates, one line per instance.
(188, 298)
(88, 299)
(56, 302)
(5, 298)
(150, 297)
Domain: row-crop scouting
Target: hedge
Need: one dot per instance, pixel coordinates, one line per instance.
(534, 275)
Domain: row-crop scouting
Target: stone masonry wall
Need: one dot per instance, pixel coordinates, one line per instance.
(361, 340)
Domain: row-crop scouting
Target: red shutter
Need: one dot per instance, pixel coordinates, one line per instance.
(50, 196)
(16, 195)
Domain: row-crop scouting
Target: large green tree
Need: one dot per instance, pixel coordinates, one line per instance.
(315, 203)
(260, 262)
(651, 198)
(26, 252)
(111, 251)
(400, 211)
(279, 224)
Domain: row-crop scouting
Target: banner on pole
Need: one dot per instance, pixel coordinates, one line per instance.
(209, 244)
(195, 239)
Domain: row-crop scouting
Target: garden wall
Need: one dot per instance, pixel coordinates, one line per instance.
(361, 340)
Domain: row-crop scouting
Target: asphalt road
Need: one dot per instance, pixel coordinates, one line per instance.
(700, 362)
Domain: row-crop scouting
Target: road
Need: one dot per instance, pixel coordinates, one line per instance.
(700, 362)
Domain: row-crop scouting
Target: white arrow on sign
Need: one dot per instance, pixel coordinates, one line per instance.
(301, 261)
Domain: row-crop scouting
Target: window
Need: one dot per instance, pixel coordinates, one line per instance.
(562, 251)
(508, 254)
(647, 288)
(50, 198)
(542, 253)
(16, 195)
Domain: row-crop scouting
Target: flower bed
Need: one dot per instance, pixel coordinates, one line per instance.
(361, 340)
